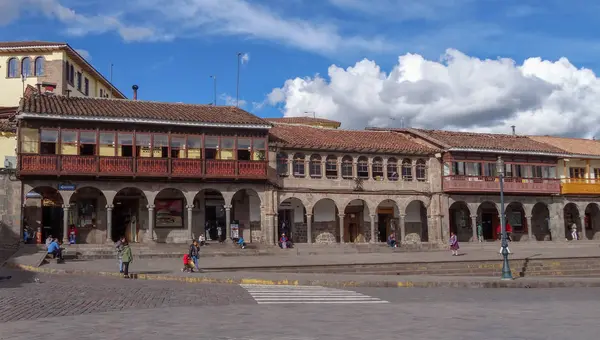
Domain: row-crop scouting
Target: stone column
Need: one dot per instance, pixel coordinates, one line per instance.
(66, 208)
(385, 174)
(309, 228)
(402, 228)
(341, 216)
(372, 228)
(151, 221)
(474, 224)
(227, 223)
(109, 209)
(190, 218)
(583, 234)
(530, 228)
(339, 168)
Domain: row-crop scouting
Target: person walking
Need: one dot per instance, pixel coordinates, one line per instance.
(127, 258)
(574, 235)
(119, 248)
(480, 231)
(194, 253)
(454, 244)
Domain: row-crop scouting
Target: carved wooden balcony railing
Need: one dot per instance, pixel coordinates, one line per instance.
(583, 186)
(458, 183)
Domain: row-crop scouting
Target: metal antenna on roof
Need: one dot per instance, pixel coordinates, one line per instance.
(402, 122)
(111, 72)
(237, 90)
(214, 78)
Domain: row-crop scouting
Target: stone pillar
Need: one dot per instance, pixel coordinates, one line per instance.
(151, 221)
(474, 224)
(109, 209)
(66, 208)
(582, 234)
(341, 216)
(309, 228)
(530, 228)
(339, 167)
(190, 219)
(372, 228)
(385, 174)
(227, 223)
(402, 228)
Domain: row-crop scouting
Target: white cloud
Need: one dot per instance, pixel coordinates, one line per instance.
(245, 58)
(84, 53)
(228, 100)
(457, 92)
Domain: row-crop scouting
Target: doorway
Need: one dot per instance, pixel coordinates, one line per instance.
(487, 224)
(125, 220)
(52, 219)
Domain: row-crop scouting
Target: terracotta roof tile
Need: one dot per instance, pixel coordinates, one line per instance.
(490, 141)
(314, 138)
(31, 43)
(7, 119)
(303, 120)
(576, 146)
(136, 109)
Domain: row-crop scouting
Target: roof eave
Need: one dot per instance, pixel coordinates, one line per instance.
(351, 150)
(26, 115)
(507, 152)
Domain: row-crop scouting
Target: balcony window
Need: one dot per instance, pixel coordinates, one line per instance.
(211, 147)
(596, 173)
(447, 168)
(68, 142)
(259, 149)
(87, 143)
(315, 166)
(160, 146)
(331, 171)
(30, 140)
(472, 169)
(347, 167)
(79, 81)
(377, 169)
(549, 172)
(422, 170)
(49, 140)
(362, 167)
(227, 148)
(577, 172)
(407, 170)
(125, 146)
(177, 146)
(299, 169)
(107, 144)
(194, 147)
(458, 168)
(143, 142)
(39, 66)
(490, 170)
(392, 169)
(244, 149)
(282, 164)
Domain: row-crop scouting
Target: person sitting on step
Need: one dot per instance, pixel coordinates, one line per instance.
(284, 242)
(55, 250)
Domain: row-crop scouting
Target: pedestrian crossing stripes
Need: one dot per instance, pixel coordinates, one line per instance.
(287, 294)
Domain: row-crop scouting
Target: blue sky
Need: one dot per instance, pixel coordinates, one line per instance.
(170, 48)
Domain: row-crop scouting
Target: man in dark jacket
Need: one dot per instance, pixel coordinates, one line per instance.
(195, 253)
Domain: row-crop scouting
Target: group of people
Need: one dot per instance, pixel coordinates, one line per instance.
(124, 256)
(53, 247)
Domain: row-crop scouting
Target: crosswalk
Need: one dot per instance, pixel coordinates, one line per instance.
(288, 294)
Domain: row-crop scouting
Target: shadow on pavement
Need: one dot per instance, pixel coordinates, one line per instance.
(11, 246)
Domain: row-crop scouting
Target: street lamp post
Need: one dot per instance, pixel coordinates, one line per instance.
(506, 273)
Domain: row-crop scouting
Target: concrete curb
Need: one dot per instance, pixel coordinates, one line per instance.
(461, 283)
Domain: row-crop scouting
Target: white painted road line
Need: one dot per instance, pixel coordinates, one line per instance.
(265, 294)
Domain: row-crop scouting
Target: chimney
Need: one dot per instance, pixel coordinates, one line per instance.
(513, 130)
(135, 88)
(39, 88)
(68, 93)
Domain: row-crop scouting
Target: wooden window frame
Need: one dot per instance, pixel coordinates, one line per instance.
(115, 142)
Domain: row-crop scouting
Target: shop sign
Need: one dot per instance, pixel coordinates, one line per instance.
(67, 187)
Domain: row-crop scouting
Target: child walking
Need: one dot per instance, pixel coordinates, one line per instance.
(454, 244)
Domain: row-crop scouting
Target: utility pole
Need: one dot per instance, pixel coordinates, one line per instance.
(214, 78)
(237, 95)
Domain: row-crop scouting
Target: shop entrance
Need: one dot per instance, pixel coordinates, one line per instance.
(43, 212)
(488, 215)
(125, 220)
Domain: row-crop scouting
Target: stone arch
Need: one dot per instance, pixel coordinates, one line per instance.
(461, 221)
(540, 222)
(246, 208)
(210, 209)
(88, 215)
(592, 221)
(571, 216)
(170, 215)
(325, 221)
(515, 216)
(43, 211)
(415, 222)
(291, 219)
(357, 217)
(387, 218)
(489, 217)
(130, 214)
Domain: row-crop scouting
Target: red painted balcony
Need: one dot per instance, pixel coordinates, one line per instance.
(129, 166)
(474, 184)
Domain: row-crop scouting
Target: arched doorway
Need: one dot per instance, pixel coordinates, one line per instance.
(487, 215)
(325, 222)
(43, 212)
(571, 215)
(415, 222)
(246, 214)
(129, 213)
(357, 222)
(88, 215)
(540, 220)
(460, 221)
(388, 216)
(170, 216)
(592, 221)
(211, 215)
(515, 216)
(291, 220)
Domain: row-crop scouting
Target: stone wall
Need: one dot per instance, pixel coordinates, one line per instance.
(10, 210)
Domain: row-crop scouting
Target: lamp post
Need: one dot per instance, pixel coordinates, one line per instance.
(506, 273)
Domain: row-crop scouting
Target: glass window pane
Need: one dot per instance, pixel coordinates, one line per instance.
(177, 142)
(49, 136)
(161, 140)
(30, 139)
(244, 143)
(125, 139)
(259, 143)
(68, 136)
(227, 143)
(107, 138)
(142, 139)
(87, 137)
(211, 142)
(194, 142)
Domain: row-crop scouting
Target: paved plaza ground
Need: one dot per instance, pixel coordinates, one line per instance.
(107, 308)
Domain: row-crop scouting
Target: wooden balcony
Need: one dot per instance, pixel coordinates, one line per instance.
(101, 166)
(512, 185)
(582, 186)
